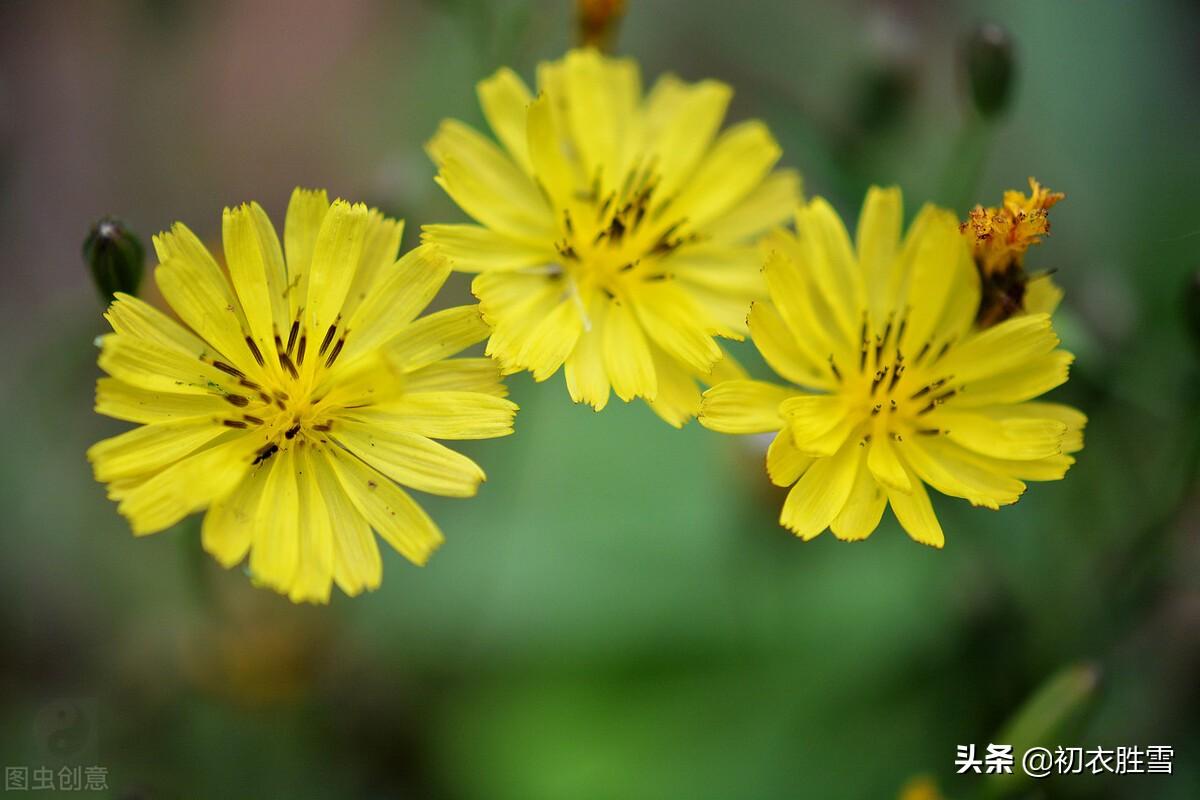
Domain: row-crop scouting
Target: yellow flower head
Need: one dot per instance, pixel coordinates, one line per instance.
(1000, 236)
(615, 232)
(901, 388)
(301, 393)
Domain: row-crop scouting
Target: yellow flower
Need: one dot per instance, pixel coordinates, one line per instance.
(999, 238)
(902, 389)
(301, 394)
(615, 232)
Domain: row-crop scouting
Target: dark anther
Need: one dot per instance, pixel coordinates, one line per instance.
(333, 354)
(254, 351)
(327, 340)
(292, 334)
(252, 419)
(292, 431)
(287, 364)
(237, 400)
(300, 350)
(233, 423)
(230, 370)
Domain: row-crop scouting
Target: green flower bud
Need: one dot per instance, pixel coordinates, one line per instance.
(115, 256)
(991, 69)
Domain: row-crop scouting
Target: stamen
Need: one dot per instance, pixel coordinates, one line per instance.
(333, 354)
(237, 400)
(233, 423)
(254, 351)
(292, 334)
(292, 431)
(327, 340)
(300, 350)
(834, 369)
(287, 364)
(228, 369)
(252, 420)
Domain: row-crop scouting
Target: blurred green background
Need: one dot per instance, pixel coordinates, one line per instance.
(617, 614)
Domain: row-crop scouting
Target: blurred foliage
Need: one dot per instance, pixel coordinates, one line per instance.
(617, 614)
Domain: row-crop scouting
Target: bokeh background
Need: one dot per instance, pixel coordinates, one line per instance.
(617, 614)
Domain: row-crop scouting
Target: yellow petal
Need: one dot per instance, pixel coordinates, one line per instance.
(443, 415)
(960, 473)
(381, 244)
(587, 379)
(878, 243)
(403, 290)
(744, 407)
(1000, 348)
(885, 466)
(314, 570)
(677, 398)
(859, 518)
(505, 100)
(1001, 436)
(737, 163)
(146, 365)
(673, 322)
(391, 512)
(197, 291)
(185, 487)
(458, 375)
(489, 204)
(228, 527)
(821, 493)
(782, 353)
(551, 168)
(1030, 379)
(1042, 295)
(474, 248)
(335, 256)
(120, 400)
(132, 317)
(1074, 420)
(830, 258)
(916, 516)
(627, 355)
(772, 203)
(681, 121)
(275, 549)
(410, 459)
(436, 336)
(305, 213)
(811, 417)
(785, 462)
(813, 327)
(248, 260)
(596, 120)
(486, 163)
(551, 340)
(936, 261)
(149, 448)
(356, 562)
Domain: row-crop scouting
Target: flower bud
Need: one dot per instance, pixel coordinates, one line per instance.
(115, 256)
(990, 68)
(597, 22)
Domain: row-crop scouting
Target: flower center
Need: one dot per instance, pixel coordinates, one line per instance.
(890, 392)
(615, 238)
(288, 402)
